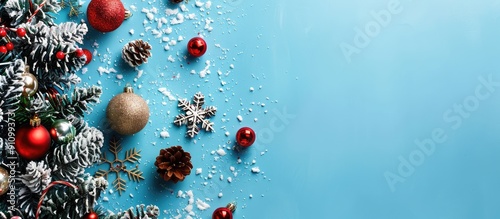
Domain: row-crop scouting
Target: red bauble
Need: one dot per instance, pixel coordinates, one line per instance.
(3, 32)
(105, 15)
(197, 46)
(60, 55)
(222, 213)
(88, 54)
(32, 143)
(9, 46)
(21, 32)
(245, 137)
(3, 49)
(91, 215)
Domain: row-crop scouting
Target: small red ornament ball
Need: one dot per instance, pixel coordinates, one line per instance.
(32, 143)
(88, 54)
(9, 46)
(60, 55)
(245, 137)
(105, 15)
(91, 215)
(3, 32)
(222, 213)
(197, 46)
(3, 49)
(21, 32)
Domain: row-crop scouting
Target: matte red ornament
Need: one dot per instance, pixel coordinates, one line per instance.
(60, 55)
(91, 215)
(3, 49)
(21, 32)
(9, 46)
(245, 137)
(3, 32)
(197, 46)
(105, 15)
(225, 212)
(88, 54)
(32, 141)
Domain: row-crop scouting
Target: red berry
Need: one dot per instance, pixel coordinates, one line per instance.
(3, 32)
(88, 54)
(21, 32)
(3, 49)
(60, 55)
(79, 52)
(9, 46)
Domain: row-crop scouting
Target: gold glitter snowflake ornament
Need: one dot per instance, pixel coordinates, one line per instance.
(117, 165)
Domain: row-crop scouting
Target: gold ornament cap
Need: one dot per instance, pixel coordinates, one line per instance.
(231, 206)
(128, 14)
(35, 121)
(128, 89)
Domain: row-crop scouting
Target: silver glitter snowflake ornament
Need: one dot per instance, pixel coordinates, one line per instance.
(195, 115)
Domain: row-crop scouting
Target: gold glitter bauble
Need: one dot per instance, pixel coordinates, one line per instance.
(127, 112)
(4, 181)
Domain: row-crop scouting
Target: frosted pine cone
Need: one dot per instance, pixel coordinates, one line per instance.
(174, 164)
(136, 52)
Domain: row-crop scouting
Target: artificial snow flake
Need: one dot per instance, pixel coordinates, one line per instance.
(117, 165)
(195, 115)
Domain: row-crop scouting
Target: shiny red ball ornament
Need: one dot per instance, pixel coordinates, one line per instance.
(245, 137)
(3, 49)
(60, 55)
(9, 46)
(88, 54)
(224, 213)
(3, 32)
(32, 141)
(91, 215)
(105, 15)
(197, 46)
(21, 32)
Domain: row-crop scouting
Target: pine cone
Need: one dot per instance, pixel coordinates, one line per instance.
(173, 164)
(136, 52)
(37, 176)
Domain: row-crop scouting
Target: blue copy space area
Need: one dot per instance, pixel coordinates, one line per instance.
(363, 109)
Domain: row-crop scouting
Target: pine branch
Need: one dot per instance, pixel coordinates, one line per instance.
(11, 87)
(68, 203)
(69, 160)
(139, 212)
(42, 43)
(19, 12)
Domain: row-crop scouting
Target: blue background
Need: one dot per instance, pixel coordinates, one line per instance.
(352, 119)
